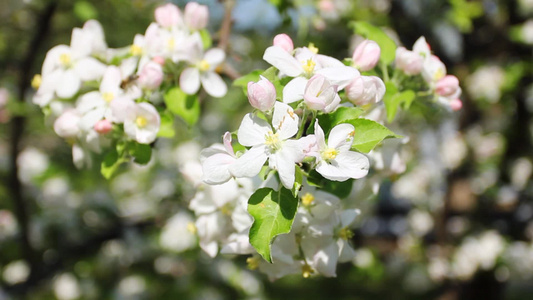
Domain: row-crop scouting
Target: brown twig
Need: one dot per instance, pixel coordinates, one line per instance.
(225, 28)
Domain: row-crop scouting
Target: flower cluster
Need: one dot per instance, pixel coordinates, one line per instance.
(101, 97)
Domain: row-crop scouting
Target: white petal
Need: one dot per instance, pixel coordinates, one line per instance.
(285, 165)
(284, 121)
(327, 61)
(213, 84)
(89, 68)
(250, 163)
(190, 80)
(346, 252)
(340, 76)
(331, 171)
(353, 164)
(52, 61)
(283, 61)
(214, 56)
(111, 80)
(348, 216)
(70, 84)
(325, 259)
(294, 90)
(341, 137)
(215, 168)
(89, 101)
(320, 138)
(252, 130)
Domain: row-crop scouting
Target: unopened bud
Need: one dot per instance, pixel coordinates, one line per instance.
(196, 16)
(456, 104)
(103, 126)
(67, 125)
(151, 76)
(365, 90)
(366, 55)
(167, 15)
(284, 41)
(408, 61)
(447, 86)
(262, 94)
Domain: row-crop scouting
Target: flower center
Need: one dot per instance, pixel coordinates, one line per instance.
(65, 59)
(438, 74)
(309, 66)
(329, 154)
(272, 141)
(252, 262)
(141, 122)
(171, 43)
(108, 97)
(36, 81)
(345, 234)
(308, 199)
(191, 227)
(204, 65)
(307, 271)
(136, 50)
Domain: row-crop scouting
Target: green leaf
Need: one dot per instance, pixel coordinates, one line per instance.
(166, 129)
(141, 153)
(337, 188)
(298, 179)
(110, 164)
(85, 10)
(393, 99)
(371, 32)
(273, 214)
(206, 38)
(368, 134)
(342, 114)
(183, 105)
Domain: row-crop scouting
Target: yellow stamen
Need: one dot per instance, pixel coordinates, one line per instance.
(438, 75)
(171, 43)
(308, 199)
(252, 262)
(307, 271)
(191, 227)
(309, 66)
(329, 154)
(291, 113)
(136, 50)
(351, 134)
(108, 97)
(65, 59)
(204, 65)
(312, 48)
(345, 234)
(272, 140)
(36, 81)
(141, 122)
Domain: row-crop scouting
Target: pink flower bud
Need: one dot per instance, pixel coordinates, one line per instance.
(262, 94)
(284, 41)
(447, 86)
(103, 126)
(196, 16)
(159, 59)
(408, 61)
(151, 76)
(365, 90)
(366, 55)
(319, 94)
(456, 104)
(67, 125)
(168, 15)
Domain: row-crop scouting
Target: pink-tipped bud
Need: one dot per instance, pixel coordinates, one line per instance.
(456, 104)
(365, 90)
(159, 60)
(320, 94)
(67, 124)
(196, 16)
(284, 41)
(366, 55)
(447, 86)
(103, 126)
(408, 61)
(262, 94)
(168, 15)
(151, 76)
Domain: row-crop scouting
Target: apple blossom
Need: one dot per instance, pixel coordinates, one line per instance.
(283, 41)
(270, 143)
(448, 86)
(409, 62)
(142, 123)
(151, 76)
(366, 55)
(320, 95)
(168, 15)
(335, 161)
(262, 94)
(103, 126)
(365, 90)
(216, 162)
(196, 16)
(68, 124)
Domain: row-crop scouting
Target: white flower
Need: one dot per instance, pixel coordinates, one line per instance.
(203, 71)
(68, 124)
(320, 95)
(179, 233)
(335, 161)
(303, 65)
(142, 123)
(271, 144)
(216, 161)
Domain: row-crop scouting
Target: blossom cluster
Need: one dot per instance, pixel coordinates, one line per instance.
(101, 97)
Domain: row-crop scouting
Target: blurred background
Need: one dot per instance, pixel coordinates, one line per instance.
(457, 224)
